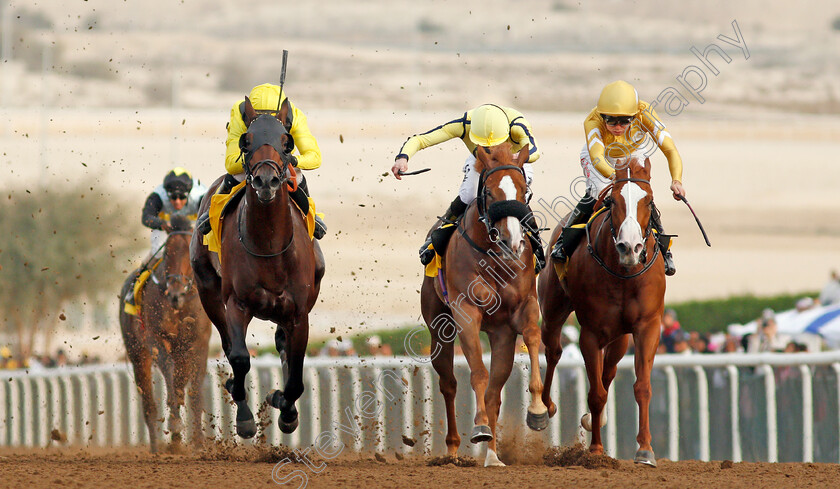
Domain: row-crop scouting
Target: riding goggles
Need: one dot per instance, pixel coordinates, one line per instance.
(177, 196)
(612, 120)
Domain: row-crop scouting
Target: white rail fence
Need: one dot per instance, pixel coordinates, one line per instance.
(766, 407)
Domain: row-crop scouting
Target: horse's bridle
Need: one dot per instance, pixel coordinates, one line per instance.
(183, 279)
(608, 202)
(496, 211)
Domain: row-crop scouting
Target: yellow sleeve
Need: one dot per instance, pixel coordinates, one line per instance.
(656, 128)
(309, 157)
(445, 132)
(236, 127)
(595, 142)
(521, 134)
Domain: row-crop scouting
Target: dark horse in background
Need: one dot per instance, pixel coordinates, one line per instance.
(268, 267)
(172, 332)
(615, 282)
(491, 288)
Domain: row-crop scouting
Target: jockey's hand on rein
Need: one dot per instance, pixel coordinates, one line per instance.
(166, 227)
(293, 160)
(401, 164)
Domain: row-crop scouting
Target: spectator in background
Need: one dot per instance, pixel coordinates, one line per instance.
(670, 326)
(331, 349)
(767, 339)
(60, 359)
(831, 291)
(699, 342)
(347, 349)
(377, 349)
(680, 341)
(731, 344)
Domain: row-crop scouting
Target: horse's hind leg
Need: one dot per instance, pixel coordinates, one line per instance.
(502, 349)
(174, 394)
(197, 372)
(291, 341)
(240, 362)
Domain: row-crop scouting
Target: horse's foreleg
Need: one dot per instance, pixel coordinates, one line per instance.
(537, 417)
(174, 399)
(647, 341)
(502, 349)
(240, 362)
(443, 362)
(594, 359)
(613, 353)
(471, 345)
(198, 370)
(294, 345)
(141, 360)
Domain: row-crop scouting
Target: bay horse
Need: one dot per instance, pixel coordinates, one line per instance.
(173, 332)
(494, 292)
(268, 268)
(615, 282)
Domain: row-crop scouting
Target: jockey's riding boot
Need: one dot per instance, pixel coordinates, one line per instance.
(455, 210)
(664, 241)
(533, 234)
(570, 236)
(226, 186)
(320, 226)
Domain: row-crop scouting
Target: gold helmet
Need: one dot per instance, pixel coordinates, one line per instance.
(619, 98)
(489, 125)
(264, 97)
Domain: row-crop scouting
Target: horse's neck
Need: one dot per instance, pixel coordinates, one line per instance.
(268, 223)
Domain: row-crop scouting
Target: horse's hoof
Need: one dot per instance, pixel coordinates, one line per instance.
(245, 425)
(492, 460)
(481, 433)
(229, 385)
(586, 420)
(552, 410)
(287, 427)
(537, 422)
(246, 429)
(273, 399)
(645, 457)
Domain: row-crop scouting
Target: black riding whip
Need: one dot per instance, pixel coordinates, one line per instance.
(696, 219)
(282, 78)
(415, 172)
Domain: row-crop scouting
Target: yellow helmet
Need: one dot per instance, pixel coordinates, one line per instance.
(264, 97)
(619, 98)
(489, 125)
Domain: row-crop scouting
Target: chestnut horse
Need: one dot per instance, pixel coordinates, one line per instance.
(270, 268)
(488, 270)
(173, 332)
(615, 282)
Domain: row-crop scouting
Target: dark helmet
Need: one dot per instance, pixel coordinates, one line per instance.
(178, 179)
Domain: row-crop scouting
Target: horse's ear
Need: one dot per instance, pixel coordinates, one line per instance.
(524, 154)
(647, 165)
(285, 115)
(243, 142)
(248, 114)
(481, 158)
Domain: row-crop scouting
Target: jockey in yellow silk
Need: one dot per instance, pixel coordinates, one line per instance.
(619, 127)
(266, 99)
(486, 125)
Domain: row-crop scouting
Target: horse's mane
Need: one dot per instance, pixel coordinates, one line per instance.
(181, 223)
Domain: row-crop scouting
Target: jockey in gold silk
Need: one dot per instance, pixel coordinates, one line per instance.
(486, 125)
(266, 99)
(619, 127)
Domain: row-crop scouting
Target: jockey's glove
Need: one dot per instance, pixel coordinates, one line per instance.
(293, 160)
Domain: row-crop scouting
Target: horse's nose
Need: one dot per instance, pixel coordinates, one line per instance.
(261, 182)
(622, 247)
(638, 248)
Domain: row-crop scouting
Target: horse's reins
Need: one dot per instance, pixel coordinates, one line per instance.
(285, 177)
(608, 217)
(512, 208)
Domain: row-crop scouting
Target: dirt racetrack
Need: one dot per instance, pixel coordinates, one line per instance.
(136, 468)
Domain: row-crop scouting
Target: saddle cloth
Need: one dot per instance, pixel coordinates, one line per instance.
(138, 290)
